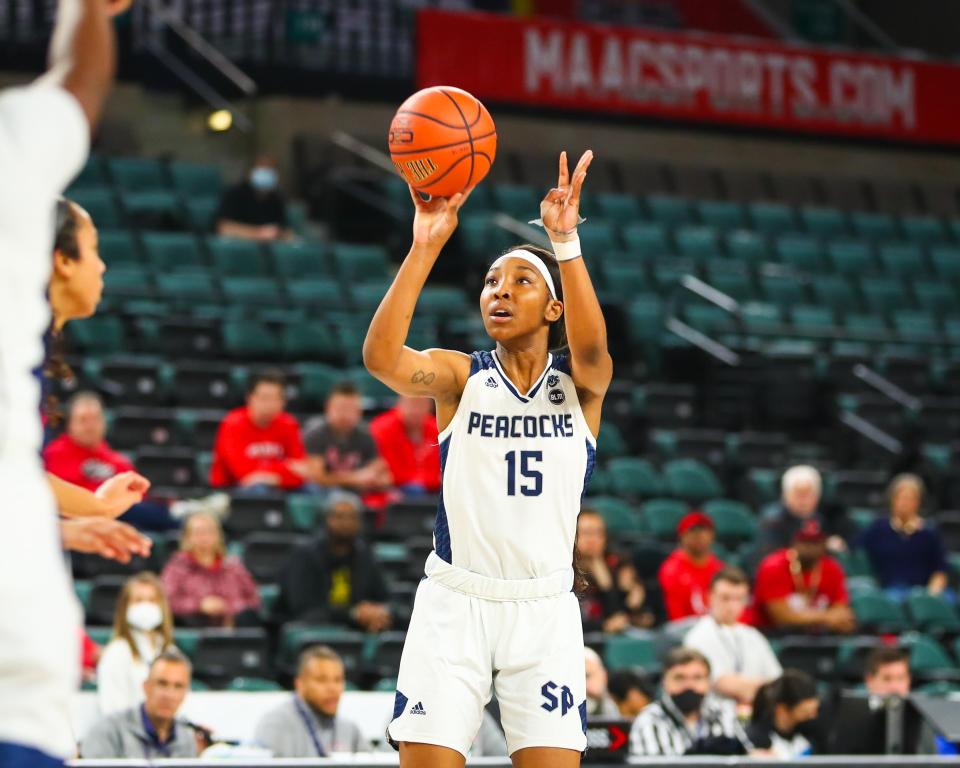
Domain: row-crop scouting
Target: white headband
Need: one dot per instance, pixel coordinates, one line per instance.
(535, 262)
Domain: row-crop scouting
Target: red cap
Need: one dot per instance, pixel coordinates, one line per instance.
(810, 531)
(694, 520)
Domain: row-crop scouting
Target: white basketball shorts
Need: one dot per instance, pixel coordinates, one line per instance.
(523, 640)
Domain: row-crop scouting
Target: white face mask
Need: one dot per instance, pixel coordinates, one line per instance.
(144, 616)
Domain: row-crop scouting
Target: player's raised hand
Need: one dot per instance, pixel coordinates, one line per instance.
(436, 218)
(560, 209)
(107, 538)
(121, 492)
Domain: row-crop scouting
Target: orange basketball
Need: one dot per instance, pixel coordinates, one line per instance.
(442, 140)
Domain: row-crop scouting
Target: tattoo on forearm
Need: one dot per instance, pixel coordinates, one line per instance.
(421, 377)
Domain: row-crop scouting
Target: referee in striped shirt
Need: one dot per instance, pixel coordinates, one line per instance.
(686, 719)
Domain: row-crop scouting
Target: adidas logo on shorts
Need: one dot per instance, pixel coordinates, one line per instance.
(417, 709)
(491, 382)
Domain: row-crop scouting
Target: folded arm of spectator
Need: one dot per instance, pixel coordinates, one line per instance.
(742, 688)
(838, 617)
(938, 583)
(114, 497)
(373, 476)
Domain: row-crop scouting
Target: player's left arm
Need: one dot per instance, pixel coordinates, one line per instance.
(590, 363)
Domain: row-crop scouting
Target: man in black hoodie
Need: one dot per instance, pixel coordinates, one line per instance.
(334, 579)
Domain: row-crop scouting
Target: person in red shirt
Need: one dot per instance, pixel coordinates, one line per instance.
(802, 588)
(406, 437)
(258, 446)
(686, 574)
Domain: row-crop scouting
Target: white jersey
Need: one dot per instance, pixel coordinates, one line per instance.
(44, 139)
(515, 466)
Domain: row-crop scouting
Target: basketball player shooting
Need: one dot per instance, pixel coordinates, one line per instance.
(517, 445)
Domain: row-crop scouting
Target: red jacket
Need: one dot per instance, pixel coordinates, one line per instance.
(685, 586)
(822, 587)
(186, 583)
(86, 467)
(409, 463)
(242, 447)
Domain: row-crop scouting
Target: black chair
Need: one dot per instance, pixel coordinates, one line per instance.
(264, 554)
(762, 449)
(175, 467)
(817, 656)
(251, 514)
(387, 658)
(190, 337)
(133, 427)
(204, 385)
(103, 599)
(409, 517)
(223, 654)
(132, 380)
(706, 445)
(349, 644)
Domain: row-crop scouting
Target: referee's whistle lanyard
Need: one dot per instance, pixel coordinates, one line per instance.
(310, 724)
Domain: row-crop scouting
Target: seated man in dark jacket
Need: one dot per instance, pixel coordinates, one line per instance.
(335, 579)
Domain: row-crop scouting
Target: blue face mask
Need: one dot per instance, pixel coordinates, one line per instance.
(263, 179)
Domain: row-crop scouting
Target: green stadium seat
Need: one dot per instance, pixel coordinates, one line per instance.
(834, 291)
(473, 234)
(733, 282)
(360, 262)
(801, 252)
(300, 259)
(951, 329)
(128, 282)
(238, 258)
(634, 478)
(875, 612)
(874, 226)
(903, 259)
(82, 588)
(661, 517)
(709, 319)
(103, 335)
(923, 229)
(620, 208)
(91, 175)
(186, 640)
(697, 241)
(932, 614)
(313, 340)
(618, 516)
(101, 205)
(320, 293)
(186, 287)
(202, 213)
(884, 294)
(441, 301)
(772, 218)
(611, 444)
(645, 318)
(253, 685)
(669, 210)
(137, 174)
(748, 247)
(782, 290)
(158, 209)
(734, 522)
(935, 295)
(624, 281)
(306, 511)
(630, 652)
(196, 179)
(946, 261)
(249, 339)
(928, 659)
(367, 296)
(865, 323)
(759, 316)
(252, 290)
(118, 248)
(811, 317)
(851, 257)
(174, 251)
(667, 272)
(516, 200)
(823, 222)
(721, 214)
(913, 325)
(598, 237)
(316, 381)
(691, 479)
(369, 386)
(646, 240)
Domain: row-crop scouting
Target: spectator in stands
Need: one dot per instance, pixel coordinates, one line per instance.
(258, 446)
(307, 725)
(686, 719)
(631, 692)
(887, 671)
(406, 438)
(801, 499)
(903, 551)
(142, 630)
(83, 457)
(741, 659)
(599, 701)
(207, 587)
(613, 598)
(803, 588)
(255, 209)
(89, 657)
(686, 574)
(150, 730)
(341, 452)
(784, 719)
(334, 579)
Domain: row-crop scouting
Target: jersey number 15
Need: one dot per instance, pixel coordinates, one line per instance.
(532, 484)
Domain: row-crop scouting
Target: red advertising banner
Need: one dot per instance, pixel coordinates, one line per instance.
(688, 76)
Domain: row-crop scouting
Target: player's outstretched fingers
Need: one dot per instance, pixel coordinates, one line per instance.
(563, 178)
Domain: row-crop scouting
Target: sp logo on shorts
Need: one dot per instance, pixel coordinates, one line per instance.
(556, 396)
(553, 380)
(553, 700)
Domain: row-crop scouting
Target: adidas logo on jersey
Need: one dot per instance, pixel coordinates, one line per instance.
(417, 709)
(492, 383)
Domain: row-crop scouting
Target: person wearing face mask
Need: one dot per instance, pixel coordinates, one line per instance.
(142, 629)
(686, 719)
(255, 209)
(784, 719)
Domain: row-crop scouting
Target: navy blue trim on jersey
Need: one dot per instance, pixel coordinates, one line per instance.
(441, 529)
(399, 704)
(562, 363)
(20, 756)
(509, 384)
(582, 709)
(591, 464)
(480, 361)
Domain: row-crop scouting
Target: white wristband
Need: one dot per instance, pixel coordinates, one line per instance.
(567, 251)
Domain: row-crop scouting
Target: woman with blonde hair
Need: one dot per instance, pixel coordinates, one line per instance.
(205, 585)
(142, 629)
